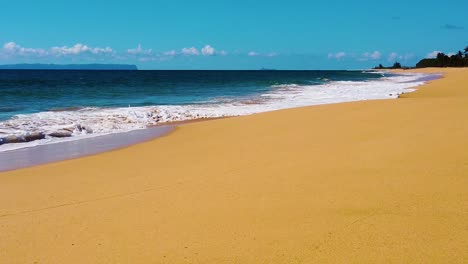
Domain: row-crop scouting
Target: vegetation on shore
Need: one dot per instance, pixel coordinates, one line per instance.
(460, 59)
(396, 65)
(442, 60)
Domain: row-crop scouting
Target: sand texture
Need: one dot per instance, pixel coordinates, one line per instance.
(367, 182)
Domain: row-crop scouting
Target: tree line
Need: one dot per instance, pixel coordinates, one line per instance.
(460, 59)
(442, 60)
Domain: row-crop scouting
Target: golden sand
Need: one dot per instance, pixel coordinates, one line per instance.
(365, 182)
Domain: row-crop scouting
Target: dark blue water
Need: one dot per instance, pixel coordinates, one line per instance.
(32, 91)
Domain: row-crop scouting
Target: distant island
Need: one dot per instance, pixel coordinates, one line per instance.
(460, 59)
(120, 67)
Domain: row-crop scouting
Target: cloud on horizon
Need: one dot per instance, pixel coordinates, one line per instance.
(452, 27)
(78, 49)
(366, 56)
(170, 53)
(258, 54)
(139, 50)
(394, 57)
(337, 56)
(13, 49)
(192, 51)
(373, 56)
(370, 56)
(208, 51)
(12, 52)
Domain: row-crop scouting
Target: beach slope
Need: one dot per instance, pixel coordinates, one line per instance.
(364, 182)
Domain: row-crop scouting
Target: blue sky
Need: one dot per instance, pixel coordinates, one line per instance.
(238, 34)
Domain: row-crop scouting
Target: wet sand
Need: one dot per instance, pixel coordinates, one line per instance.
(41, 154)
(365, 182)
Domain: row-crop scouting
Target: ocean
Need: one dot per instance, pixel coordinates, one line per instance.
(43, 107)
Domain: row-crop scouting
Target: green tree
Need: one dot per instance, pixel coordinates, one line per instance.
(442, 60)
(440, 56)
(458, 60)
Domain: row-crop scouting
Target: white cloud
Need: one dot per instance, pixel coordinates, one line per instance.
(258, 54)
(338, 56)
(272, 54)
(190, 51)
(170, 53)
(392, 57)
(370, 56)
(146, 59)
(375, 55)
(208, 50)
(12, 48)
(255, 54)
(139, 50)
(78, 49)
(433, 54)
(101, 50)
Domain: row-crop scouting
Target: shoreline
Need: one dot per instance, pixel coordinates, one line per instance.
(27, 155)
(358, 182)
(68, 124)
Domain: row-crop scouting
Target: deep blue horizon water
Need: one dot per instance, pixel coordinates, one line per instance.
(57, 103)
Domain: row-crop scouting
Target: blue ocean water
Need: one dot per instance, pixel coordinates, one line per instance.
(30, 91)
(49, 106)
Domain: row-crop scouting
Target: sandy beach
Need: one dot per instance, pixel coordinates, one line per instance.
(380, 181)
